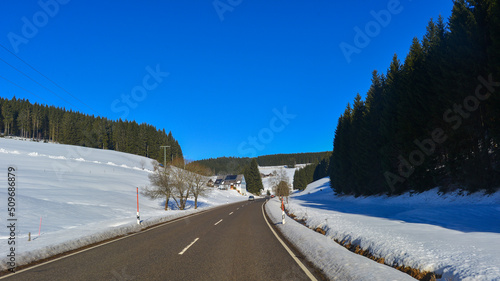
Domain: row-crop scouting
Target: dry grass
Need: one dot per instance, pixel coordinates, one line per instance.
(415, 273)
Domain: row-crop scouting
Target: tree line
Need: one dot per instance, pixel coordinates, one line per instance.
(236, 165)
(431, 120)
(19, 117)
(313, 172)
(225, 165)
(290, 159)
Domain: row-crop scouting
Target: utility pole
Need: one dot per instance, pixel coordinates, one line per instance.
(165, 155)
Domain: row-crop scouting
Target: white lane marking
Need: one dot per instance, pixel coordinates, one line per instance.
(306, 271)
(231, 213)
(217, 222)
(106, 243)
(185, 249)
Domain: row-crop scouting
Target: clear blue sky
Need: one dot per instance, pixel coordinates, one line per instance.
(230, 69)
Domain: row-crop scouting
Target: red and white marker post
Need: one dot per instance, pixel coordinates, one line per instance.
(283, 210)
(138, 217)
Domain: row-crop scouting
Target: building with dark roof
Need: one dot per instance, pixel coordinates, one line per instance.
(236, 182)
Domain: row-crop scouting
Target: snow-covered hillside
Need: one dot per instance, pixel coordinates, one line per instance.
(452, 235)
(81, 196)
(267, 181)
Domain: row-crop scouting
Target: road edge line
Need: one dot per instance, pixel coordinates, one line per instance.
(111, 240)
(301, 265)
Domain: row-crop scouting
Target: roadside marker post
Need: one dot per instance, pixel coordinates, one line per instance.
(138, 217)
(282, 210)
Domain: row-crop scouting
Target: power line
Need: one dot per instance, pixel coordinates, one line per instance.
(48, 79)
(23, 89)
(38, 83)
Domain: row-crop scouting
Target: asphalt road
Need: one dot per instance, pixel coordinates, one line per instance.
(227, 243)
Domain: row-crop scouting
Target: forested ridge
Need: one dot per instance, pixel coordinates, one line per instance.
(19, 117)
(431, 120)
(290, 159)
(236, 165)
(225, 165)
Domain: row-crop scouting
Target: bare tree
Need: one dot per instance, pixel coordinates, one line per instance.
(155, 165)
(198, 180)
(278, 177)
(281, 184)
(161, 185)
(181, 183)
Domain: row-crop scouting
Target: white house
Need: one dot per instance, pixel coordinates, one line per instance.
(236, 182)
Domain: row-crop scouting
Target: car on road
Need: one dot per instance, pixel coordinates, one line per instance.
(251, 198)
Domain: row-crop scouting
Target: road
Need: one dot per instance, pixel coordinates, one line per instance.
(232, 242)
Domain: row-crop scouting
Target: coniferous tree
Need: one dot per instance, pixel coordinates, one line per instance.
(374, 106)
(340, 160)
(390, 151)
(426, 121)
(253, 178)
(21, 118)
(8, 117)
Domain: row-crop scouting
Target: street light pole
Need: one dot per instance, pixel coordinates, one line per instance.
(165, 155)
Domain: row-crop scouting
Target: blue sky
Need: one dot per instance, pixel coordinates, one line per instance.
(227, 77)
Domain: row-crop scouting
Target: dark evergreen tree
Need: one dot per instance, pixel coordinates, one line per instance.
(304, 176)
(374, 105)
(323, 168)
(432, 121)
(253, 179)
(41, 122)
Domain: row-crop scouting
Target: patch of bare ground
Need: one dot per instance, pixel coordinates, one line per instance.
(415, 273)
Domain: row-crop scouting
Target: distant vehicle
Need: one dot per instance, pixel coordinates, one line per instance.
(251, 198)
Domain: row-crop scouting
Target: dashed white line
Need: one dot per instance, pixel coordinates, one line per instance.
(217, 222)
(231, 213)
(185, 249)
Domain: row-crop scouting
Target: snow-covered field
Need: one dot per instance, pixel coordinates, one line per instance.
(452, 235)
(81, 196)
(267, 181)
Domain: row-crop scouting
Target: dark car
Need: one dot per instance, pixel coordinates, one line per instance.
(251, 198)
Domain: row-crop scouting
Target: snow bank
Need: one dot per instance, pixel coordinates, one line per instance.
(336, 262)
(453, 235)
